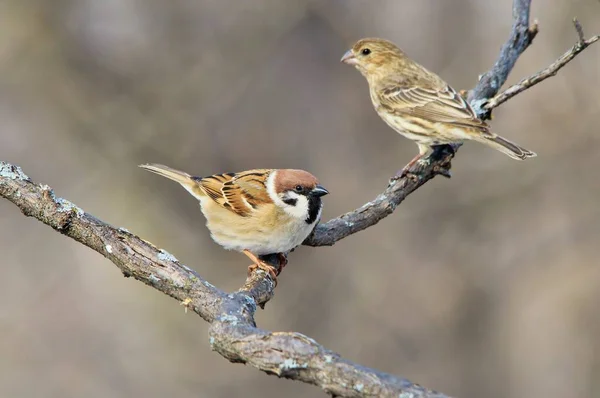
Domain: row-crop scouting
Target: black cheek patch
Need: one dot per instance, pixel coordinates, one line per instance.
(290, 201)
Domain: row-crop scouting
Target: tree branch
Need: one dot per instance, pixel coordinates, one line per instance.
(383, 205)
(233, 332)
(521, 37)
(552, 70)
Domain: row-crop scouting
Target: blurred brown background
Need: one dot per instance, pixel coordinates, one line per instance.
(485, 285)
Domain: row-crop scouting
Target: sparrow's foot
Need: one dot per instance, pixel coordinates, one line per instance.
(408, 170)
(405, 173)
(251, 256)
(265, 267)
(260, 264)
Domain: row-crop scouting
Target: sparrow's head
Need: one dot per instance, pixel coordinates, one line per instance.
(374, 56)
(298, 192)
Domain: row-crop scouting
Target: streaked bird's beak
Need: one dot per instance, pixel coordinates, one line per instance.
(349, 58)
(319, 191)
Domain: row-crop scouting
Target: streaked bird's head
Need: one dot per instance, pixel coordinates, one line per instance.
(373, 56)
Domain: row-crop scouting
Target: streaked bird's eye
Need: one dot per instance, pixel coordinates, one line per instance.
(365, 51)
(298, 188)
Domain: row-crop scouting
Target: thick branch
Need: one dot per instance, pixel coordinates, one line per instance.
(233, 332)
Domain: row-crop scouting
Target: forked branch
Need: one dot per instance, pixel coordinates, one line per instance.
(551, 70)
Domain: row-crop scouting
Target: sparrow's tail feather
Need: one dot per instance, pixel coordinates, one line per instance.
(186, 180)
(507, 147)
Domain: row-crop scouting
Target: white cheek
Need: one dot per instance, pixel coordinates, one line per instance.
(300, 210)
(271, 190)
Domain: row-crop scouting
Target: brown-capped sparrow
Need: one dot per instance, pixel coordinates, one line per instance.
(256, 212)
(418, 104)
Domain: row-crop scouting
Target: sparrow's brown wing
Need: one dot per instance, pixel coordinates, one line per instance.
(437, 106)
(240, 192)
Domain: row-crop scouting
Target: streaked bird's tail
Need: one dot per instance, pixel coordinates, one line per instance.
(185, 179)
(505, 146)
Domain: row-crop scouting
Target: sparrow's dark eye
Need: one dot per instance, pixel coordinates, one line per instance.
(366, 51)
(298, 188)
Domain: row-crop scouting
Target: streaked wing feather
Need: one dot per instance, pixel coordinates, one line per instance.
(444, 106)
(238, 192)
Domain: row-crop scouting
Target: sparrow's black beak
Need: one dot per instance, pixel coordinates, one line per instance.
(319, 191)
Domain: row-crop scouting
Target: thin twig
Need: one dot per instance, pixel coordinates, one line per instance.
(545, 73)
